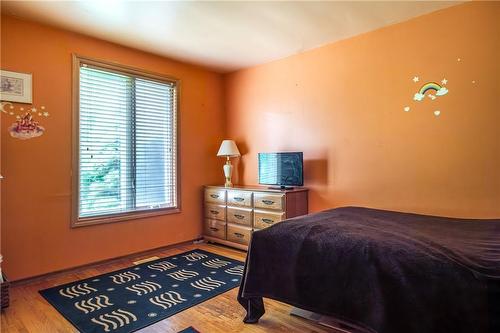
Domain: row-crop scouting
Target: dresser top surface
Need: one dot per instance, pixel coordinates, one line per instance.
(259, 188)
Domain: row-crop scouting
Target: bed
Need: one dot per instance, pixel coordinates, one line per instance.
(382, 271)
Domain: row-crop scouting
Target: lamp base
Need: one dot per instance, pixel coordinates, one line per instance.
(228, 170)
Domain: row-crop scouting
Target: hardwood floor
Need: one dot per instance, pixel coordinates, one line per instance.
(30, 313)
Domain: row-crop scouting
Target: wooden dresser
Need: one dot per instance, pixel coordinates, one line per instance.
(232, 214)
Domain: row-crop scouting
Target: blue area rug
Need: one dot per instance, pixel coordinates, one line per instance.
(130, 299)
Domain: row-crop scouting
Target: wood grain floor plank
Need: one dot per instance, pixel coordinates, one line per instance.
(30, 313)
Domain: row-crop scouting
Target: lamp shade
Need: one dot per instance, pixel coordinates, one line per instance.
(228, 148)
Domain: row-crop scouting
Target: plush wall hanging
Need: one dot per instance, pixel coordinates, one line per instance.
(25, 126)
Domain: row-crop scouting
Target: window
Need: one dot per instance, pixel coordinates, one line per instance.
(126, 143)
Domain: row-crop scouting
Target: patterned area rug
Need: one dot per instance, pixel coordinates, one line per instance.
(130, 299)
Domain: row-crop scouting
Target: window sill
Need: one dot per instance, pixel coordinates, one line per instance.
(87, 221)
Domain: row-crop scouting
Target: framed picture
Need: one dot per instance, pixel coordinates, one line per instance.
(15, 87)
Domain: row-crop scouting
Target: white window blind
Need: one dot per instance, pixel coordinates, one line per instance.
(127, 143)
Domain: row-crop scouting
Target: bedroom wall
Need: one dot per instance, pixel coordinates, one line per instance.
(343, 106)
(36, 192)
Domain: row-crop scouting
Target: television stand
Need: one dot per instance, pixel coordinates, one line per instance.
(282, 188)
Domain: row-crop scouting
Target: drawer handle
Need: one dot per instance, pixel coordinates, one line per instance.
(268, 221)
(268, 202)
(215, 212)
(215, 196)
(237, 234)
(239, 199)
(214, 229)
(239, 216)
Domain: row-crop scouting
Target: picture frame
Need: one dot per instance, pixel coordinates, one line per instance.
(16, 87)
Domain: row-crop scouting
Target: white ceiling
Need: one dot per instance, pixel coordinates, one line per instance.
(224, 36)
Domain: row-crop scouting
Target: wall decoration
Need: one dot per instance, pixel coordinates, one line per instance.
(431, 89)
(430, 86)
(15, 87)
(25, 126)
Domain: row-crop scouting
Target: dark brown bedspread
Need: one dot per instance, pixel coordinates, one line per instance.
(386, 271)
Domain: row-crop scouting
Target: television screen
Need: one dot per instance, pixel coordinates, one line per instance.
(281, 169)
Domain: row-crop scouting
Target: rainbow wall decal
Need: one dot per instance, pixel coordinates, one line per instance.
(440, 90)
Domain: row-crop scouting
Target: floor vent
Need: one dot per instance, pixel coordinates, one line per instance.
(142, 261)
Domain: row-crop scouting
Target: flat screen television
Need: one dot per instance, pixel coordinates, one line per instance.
(281, 169)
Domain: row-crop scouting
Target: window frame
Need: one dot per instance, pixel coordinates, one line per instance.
(77, 221)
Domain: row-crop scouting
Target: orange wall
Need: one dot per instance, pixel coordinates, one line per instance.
(342, 105)
(36, 233)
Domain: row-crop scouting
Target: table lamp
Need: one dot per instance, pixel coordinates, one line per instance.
(228, 149)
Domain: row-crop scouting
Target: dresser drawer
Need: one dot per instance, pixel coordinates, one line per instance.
(266, 219)
(239, 215)
(238, 234)
(239, 198)
(215, 196)
(269, 201)
(217, 212)
(215, 228)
